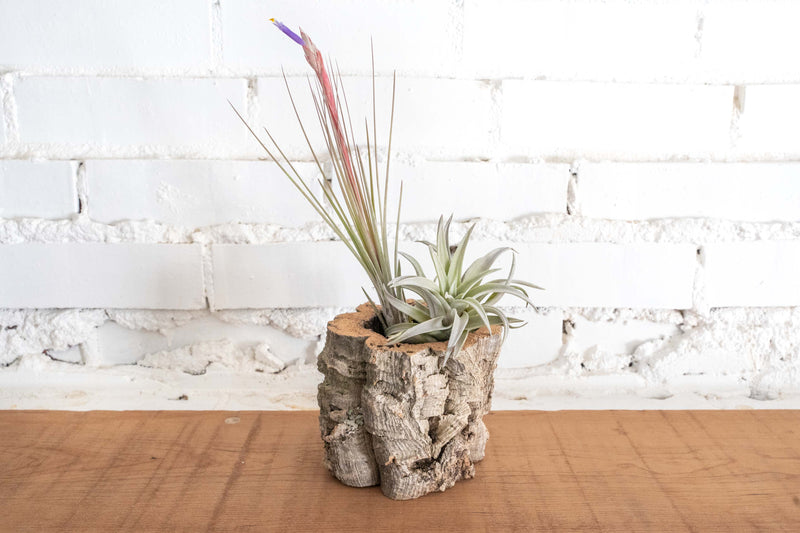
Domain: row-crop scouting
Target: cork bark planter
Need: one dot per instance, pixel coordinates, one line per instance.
(390, 416)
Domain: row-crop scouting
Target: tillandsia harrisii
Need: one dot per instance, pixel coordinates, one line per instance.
(453, 303)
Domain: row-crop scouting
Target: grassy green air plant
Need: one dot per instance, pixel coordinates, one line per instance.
(454, 303)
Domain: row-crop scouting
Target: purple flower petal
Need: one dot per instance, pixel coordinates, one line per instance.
(281, 26)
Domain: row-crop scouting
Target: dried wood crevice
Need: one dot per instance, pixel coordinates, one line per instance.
(390, 415)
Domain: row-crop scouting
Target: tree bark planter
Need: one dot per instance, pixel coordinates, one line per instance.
(390, 416)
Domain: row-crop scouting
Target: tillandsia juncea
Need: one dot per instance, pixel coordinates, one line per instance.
(453, 303)
(360, 210)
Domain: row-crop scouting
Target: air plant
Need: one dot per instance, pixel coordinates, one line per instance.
(453, 304)
(457, 301)
(360, 212)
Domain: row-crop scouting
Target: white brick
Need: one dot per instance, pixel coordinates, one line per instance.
(117, 345)
(120, 345)
(147, 276)
(198, 193)
(740, 191)
(752, 274)
(582, 39)
(300, 274)
(537, 343)
(471, 190)
(94, 34)
(605, 275)
(342, 29)
(640, 275)
(770, 120)
(614, 120)
(42, 189)
(110, 112)
(433, 117)
(599, 340)
(751, 41)
(3, 134)
(70, 355)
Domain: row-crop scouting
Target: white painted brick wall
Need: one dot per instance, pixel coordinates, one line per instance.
(609, 275)
(734, 191)
(4, 98)
(435, 118)
(752, 274)
(580, 40)
(186, 114)
(605, 120)
(605, 141)
(471, 190)
(302, 274)
(93, 35)
(609, 344)
(537, 343)
(770, 123)
(42, 189)
(197, 193)
(751, 41)
(148, 276)
(427, 30)
(116, 344)
(575, 275)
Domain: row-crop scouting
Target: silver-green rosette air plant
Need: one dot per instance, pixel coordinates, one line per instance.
(457, 300)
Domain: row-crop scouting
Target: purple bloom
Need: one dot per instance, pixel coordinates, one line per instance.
(281, 26)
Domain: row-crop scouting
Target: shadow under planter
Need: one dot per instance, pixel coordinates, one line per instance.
(390, 416)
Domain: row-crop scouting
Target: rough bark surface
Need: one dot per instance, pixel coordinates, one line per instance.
(392, 415)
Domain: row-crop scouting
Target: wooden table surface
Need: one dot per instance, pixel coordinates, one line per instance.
(563, 471)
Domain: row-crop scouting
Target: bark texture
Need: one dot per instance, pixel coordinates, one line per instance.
(390, 415)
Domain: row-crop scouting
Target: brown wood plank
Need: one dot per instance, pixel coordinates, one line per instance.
(564, 471)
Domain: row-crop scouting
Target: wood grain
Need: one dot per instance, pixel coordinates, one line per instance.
(564, 471)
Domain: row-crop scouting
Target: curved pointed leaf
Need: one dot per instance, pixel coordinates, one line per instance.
(482, 264)
(502, 316)
(458, 334)
(463, 288)
(414, 263)
(411, 282)
(443, 242)
(457, 262)
(479, 310)
(416, 313)
(496, 290)
(429, 326)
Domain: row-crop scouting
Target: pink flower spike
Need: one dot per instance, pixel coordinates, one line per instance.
(281, 26)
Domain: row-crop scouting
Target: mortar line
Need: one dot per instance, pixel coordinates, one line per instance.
(206, 152)
(251, 100)
(739, 92)
(204, 72)
(81, 188)
(496, 98)
(573, 189)
(217, 54)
